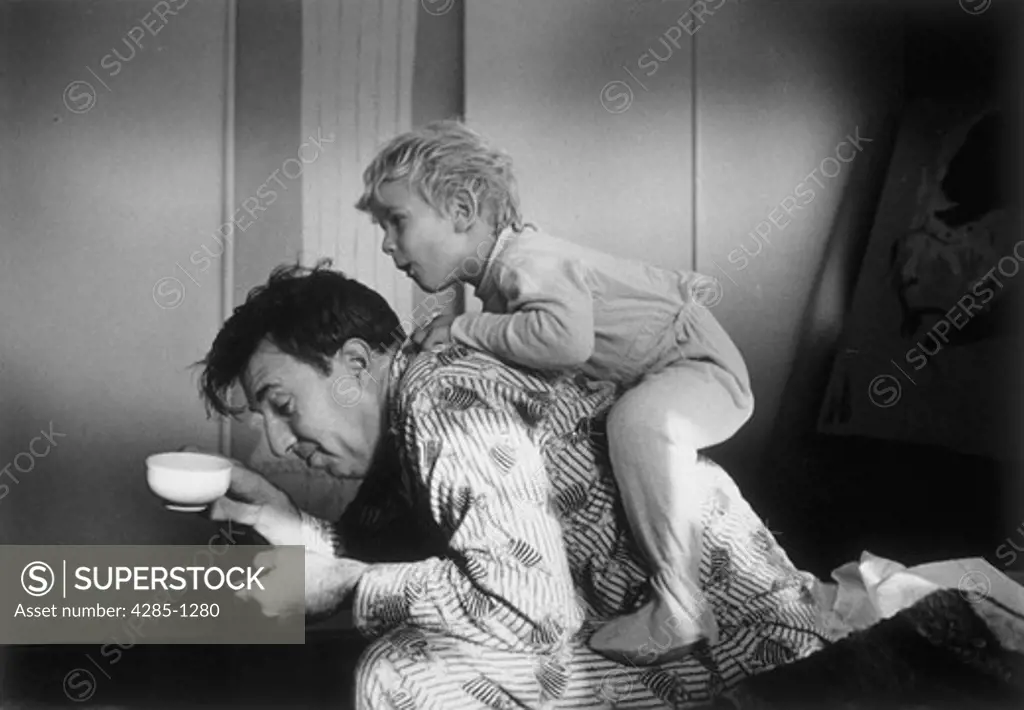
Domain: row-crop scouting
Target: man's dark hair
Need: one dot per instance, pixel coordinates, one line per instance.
(307, 313)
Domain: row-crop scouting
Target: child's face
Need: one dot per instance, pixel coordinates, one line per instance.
(422, 243)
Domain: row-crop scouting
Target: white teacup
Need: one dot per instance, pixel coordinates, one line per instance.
(188, 481)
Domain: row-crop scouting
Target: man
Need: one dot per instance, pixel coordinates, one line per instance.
(487, 542)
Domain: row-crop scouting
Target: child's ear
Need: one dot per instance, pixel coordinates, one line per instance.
(465, 211)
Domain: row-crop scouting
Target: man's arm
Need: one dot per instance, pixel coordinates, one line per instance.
(375, 527)
(550, 319)
(504, 581)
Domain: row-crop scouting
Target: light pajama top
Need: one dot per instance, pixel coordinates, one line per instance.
(614, 319)
(500, 500)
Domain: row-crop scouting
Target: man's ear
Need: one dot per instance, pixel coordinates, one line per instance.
(354, 357)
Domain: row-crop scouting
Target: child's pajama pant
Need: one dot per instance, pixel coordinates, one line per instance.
(697, 397)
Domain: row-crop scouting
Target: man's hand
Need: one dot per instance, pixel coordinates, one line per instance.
(329, 583)
(263, 506)
(436, 332)
(246, 484)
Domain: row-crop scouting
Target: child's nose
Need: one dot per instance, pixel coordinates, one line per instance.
(388, 245)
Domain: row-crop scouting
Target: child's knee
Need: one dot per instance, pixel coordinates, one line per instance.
(726, 413)
(734, 419)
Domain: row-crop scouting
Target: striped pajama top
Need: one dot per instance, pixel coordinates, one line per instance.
(492, 517)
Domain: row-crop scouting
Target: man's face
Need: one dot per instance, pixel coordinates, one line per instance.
(422, 243)
(332, 422)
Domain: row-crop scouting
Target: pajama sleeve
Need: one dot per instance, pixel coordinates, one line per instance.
(549, 319)
(504, 581)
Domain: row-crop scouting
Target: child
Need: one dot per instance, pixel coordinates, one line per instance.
(449, 207)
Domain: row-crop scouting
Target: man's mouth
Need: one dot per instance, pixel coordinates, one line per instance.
(318, 459)
(314, 458)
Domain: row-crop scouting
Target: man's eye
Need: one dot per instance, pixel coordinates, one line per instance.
(284, 409)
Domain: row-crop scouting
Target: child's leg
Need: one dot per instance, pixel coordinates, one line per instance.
(655, 431)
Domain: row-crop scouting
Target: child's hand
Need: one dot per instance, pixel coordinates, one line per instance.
(436, 332)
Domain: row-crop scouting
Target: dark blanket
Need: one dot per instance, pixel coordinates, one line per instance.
(943, 652)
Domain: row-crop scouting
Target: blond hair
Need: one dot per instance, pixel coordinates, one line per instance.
(444, 162)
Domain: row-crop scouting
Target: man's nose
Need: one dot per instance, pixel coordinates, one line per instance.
(279, 436)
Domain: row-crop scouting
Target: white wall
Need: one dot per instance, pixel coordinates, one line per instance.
(538, 78)
(782, 88)
(773, 86)
(95, 207)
